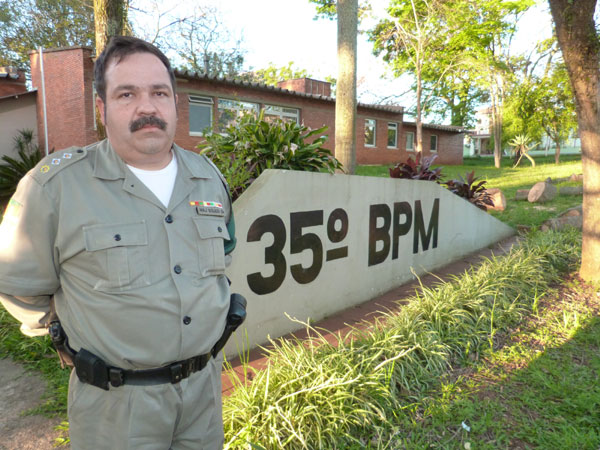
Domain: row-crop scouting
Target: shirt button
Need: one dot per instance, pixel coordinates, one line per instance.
(169, 219)
(219, 229)
(117, 237)
(187, 320)
(177, 269)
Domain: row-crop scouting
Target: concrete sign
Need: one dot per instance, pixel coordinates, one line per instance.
(312, 244)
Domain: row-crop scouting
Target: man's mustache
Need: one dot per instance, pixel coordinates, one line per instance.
(147, 120)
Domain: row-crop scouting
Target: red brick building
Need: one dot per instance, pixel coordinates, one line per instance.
(383, 137)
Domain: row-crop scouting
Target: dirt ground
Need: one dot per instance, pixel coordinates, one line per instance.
(21, 390)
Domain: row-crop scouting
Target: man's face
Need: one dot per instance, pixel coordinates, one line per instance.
(140, 115)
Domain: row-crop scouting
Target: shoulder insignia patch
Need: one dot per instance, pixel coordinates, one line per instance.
(57, 161)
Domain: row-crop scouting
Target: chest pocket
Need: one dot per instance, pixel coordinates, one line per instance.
(120, 255)
(212, 233)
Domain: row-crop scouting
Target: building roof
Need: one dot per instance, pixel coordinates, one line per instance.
(435, 126)
(20, 94)
(267, 88)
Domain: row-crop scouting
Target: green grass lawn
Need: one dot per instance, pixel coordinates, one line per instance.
(509, 180)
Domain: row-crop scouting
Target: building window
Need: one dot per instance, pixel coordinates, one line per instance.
(273, 112)
(231, 110)
(392, 135)
(410, 141)
(201, 114)
(370, 125)
(433, 146)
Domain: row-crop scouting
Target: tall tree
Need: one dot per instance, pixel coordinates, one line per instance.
(347, 13)
(490, 27)
(578, 40)
(411, 41)
(345, 101)
(110, 19)
(556, 107)
(28, 24)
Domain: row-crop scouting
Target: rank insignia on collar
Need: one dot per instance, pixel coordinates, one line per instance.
(67, 155)
(56, 161)
(44, 169)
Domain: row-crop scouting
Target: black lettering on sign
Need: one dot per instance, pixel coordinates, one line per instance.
(307, 241)
(335, 236)
(381, 234)
(273, 254)
(432, 230)
(400, 229)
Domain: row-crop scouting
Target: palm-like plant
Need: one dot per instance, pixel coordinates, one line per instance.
(13, 169)
(521, 147)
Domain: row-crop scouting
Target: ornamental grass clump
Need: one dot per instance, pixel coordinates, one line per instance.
(320, 395)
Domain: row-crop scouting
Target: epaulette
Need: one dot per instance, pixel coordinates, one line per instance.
(57, 161)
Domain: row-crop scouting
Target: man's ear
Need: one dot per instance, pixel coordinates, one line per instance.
(177, 105)
(101, 109)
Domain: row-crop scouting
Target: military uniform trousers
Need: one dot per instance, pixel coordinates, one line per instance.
(182, 416)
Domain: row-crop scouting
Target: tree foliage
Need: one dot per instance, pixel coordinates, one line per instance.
(456, 50)
(410, 41)
(196, 40)
(28, 24)
(271, 75)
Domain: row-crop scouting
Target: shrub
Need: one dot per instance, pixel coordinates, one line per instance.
(520, 147)
(14, 169)
(253, 144)
(417, 169)
(466, 188)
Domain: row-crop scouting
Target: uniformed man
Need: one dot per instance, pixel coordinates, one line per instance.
(127, 240)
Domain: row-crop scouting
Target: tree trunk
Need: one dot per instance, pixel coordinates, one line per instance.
(110, 19)
(557, 152)
(496, 124)
(418, 122)
(345, 102)
(578, 41)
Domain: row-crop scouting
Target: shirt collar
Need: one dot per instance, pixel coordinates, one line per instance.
(109, 166)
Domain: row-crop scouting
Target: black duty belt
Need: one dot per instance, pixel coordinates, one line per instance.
(93, 370)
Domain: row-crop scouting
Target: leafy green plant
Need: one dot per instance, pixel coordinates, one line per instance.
(520, 147)
(253, 144)
(13, 169)
(417, 169)
(466, 188)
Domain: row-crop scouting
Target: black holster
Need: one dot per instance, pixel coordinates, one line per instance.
(59, 338)
(235, 317)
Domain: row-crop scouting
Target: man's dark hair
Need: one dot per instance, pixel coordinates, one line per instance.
(120, 47)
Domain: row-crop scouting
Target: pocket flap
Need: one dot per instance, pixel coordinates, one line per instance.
(211, 227)
(101, 237)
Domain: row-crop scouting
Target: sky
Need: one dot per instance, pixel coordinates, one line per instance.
(280, 31)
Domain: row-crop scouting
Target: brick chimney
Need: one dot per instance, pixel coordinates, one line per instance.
(12, 81)
(68, 79)
(307, 86)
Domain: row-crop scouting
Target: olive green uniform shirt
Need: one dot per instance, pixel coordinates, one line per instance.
(138, 284)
